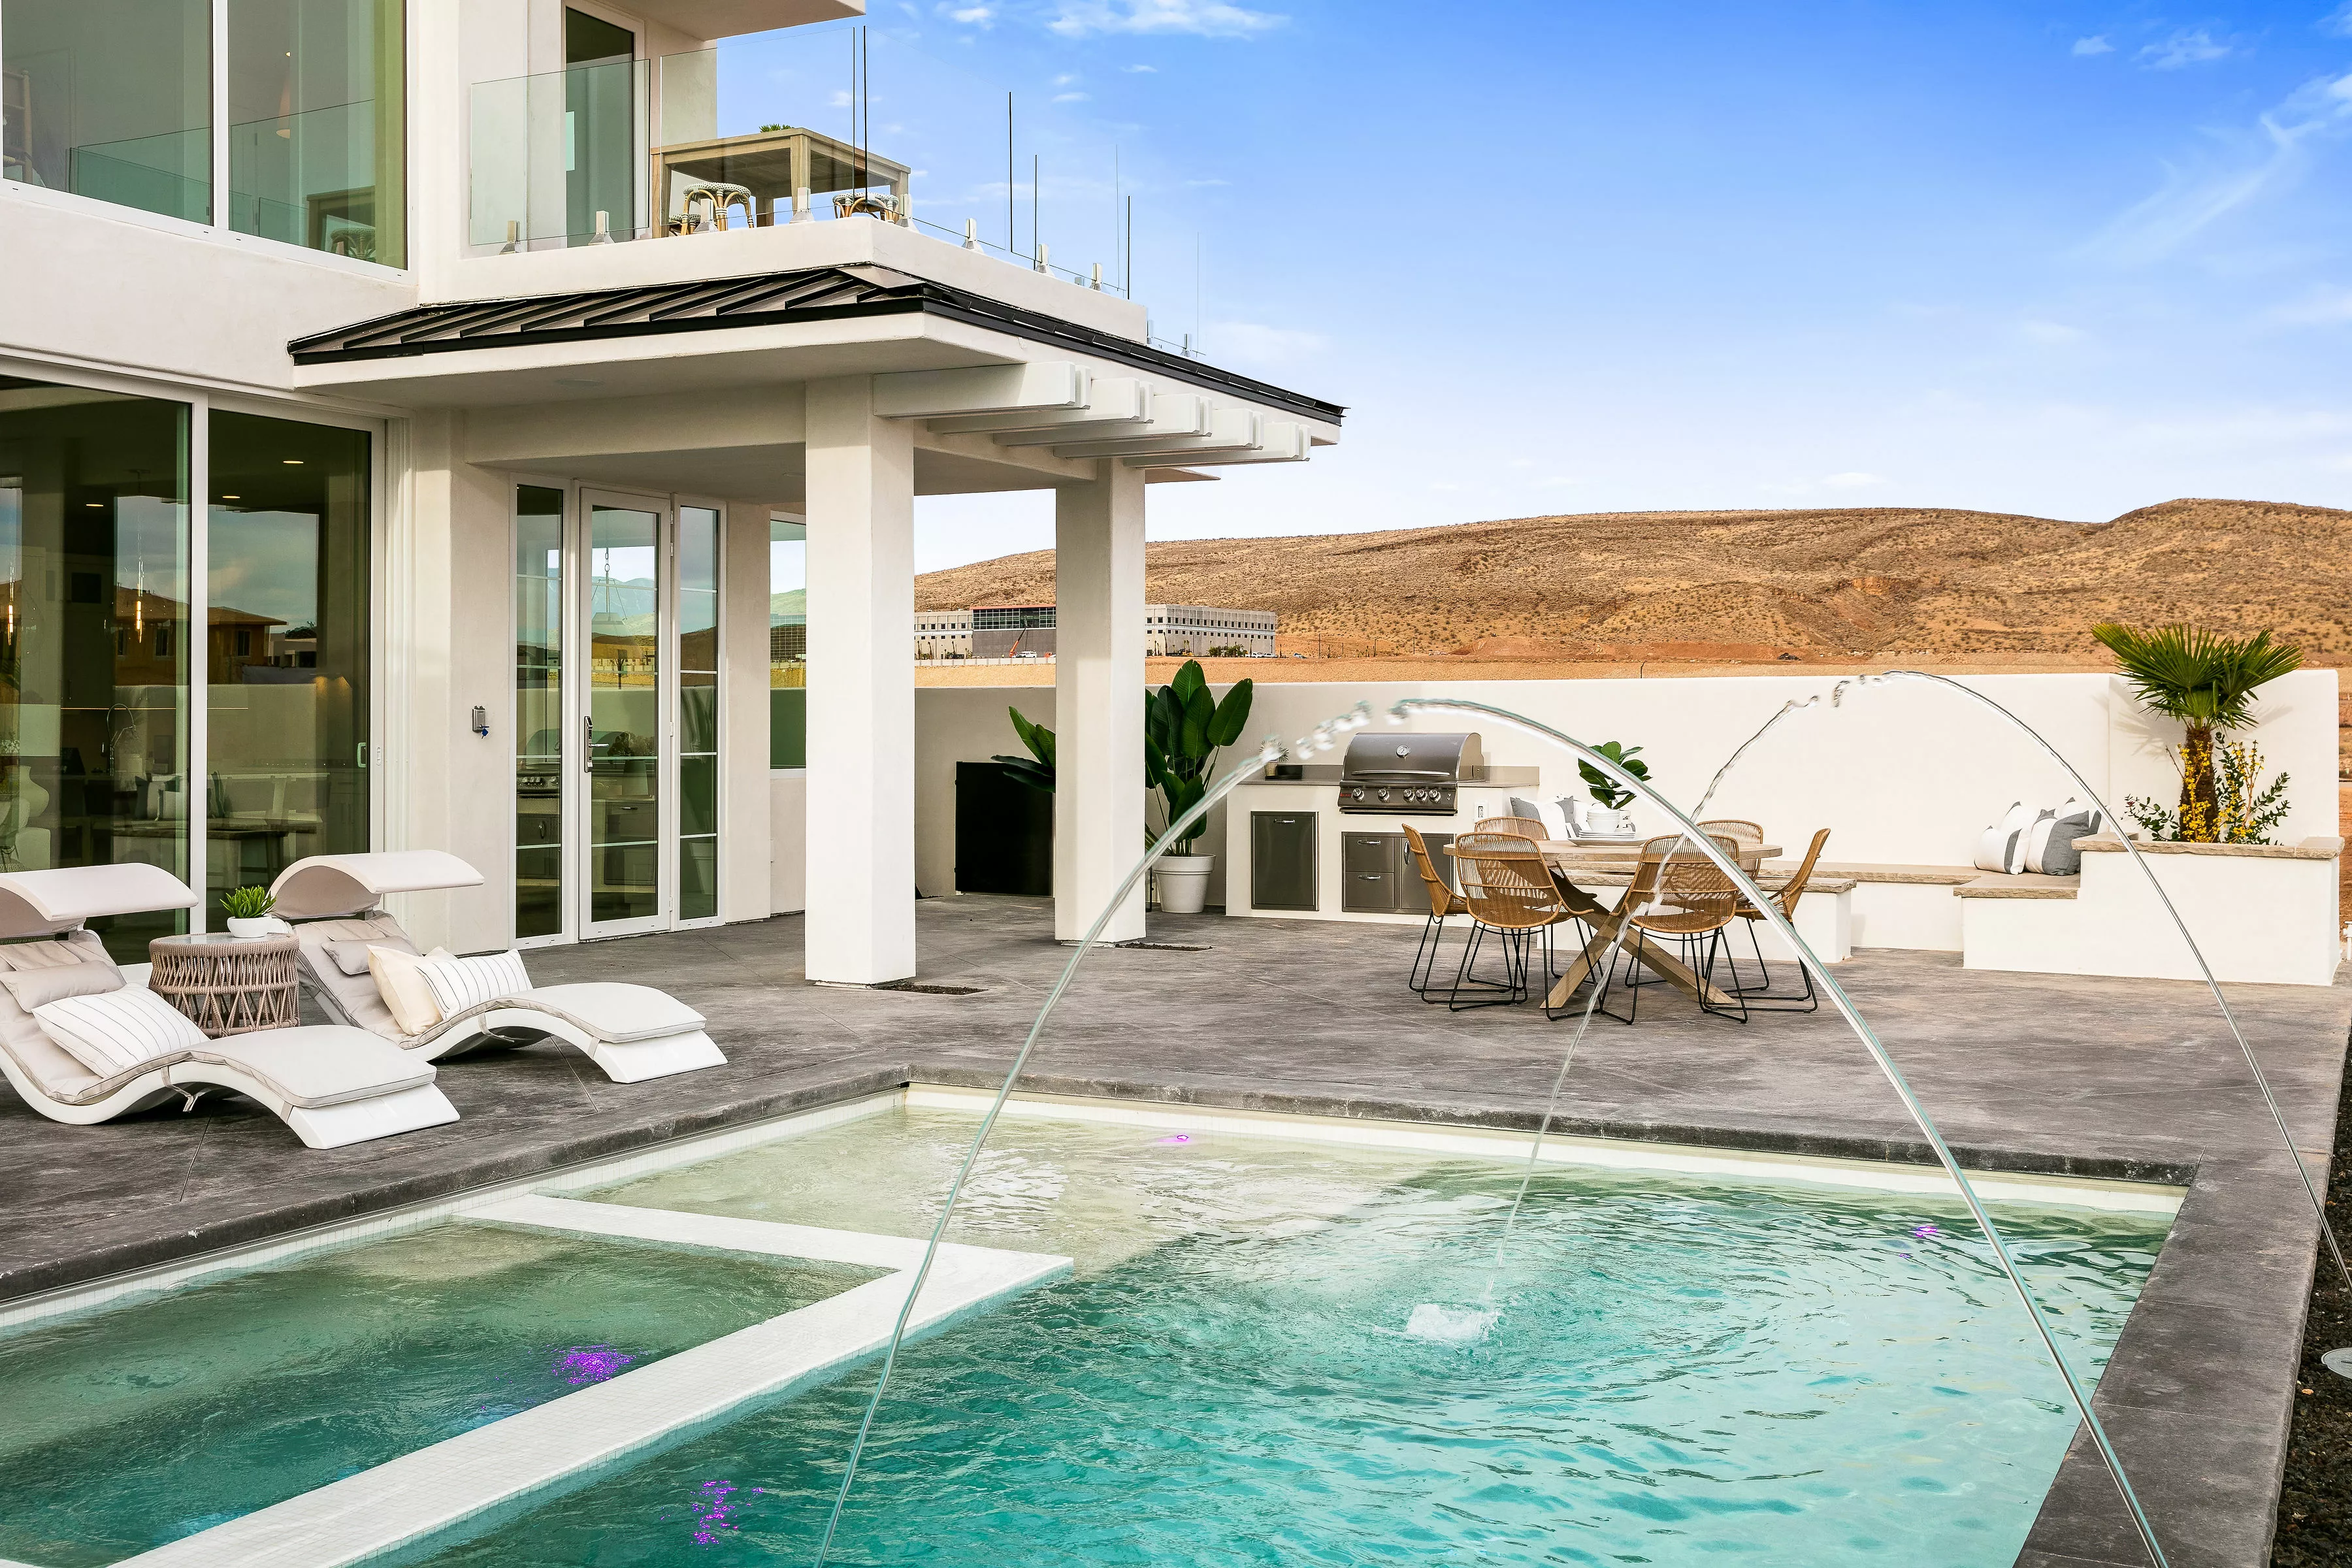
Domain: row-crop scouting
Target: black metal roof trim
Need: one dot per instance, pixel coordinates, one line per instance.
(809, 294)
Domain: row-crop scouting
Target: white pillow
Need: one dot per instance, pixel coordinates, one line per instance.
(2002, 847)
(461, 983)
(1554, 820)
(37, 988)
(118, 1029)
(400, 981)
(2049, 844)
(1571, 811)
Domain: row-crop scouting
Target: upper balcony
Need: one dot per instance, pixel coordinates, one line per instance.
(572, 175)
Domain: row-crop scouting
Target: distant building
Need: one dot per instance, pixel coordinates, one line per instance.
(1018, 631)
(1194, 629)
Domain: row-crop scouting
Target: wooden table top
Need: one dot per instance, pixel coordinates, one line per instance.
(1628, 852)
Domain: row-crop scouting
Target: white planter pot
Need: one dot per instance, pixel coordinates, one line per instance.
(248, 930)
(1184, 883)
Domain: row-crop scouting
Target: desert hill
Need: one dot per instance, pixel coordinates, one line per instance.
(1754, 586)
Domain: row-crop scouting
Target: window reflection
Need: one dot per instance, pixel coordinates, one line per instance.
(315, 112)
(93, 647)
(109, 99)
(288, 652)
(698, 713)
(538, 711)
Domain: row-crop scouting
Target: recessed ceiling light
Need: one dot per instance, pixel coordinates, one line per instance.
(95, 505)
(291, 462)
(232, 498)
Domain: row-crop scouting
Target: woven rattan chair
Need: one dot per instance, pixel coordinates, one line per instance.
(1760, 996)
(1733, 827)
(1511, 897)
(1444, 902)
(1525, 827)
(1691, 902)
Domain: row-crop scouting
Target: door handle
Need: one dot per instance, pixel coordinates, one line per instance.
(587, 742)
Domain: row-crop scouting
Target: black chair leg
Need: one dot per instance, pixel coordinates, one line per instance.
(1471, 990)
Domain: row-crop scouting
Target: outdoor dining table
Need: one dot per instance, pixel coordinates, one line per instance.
(1564, 858)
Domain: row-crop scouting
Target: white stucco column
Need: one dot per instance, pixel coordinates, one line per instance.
(861, 689)
(1098, 701)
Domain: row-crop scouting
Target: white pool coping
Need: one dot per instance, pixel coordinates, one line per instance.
(434, 1488)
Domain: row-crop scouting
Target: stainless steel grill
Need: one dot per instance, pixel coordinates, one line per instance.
(1409, 775)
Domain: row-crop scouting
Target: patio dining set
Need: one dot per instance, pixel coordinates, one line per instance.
(1521, 888)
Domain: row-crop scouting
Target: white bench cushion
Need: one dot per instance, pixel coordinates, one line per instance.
(318, 1064)
(609, 1010)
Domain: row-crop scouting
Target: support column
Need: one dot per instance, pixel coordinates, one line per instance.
(861, 689)
(1099, 700)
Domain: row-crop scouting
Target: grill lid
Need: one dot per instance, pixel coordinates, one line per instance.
(1414, 759)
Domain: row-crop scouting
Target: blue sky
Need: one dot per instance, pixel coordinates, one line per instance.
(1562, 258)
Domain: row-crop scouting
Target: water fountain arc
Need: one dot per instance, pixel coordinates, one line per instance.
(1871, 1042)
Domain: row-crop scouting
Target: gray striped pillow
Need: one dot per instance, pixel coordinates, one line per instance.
(117, 1030)
(461, 983)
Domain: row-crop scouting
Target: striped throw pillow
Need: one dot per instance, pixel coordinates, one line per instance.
(461, 983)
(116, 1030)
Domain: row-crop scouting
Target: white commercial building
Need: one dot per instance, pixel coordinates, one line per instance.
(1170, 630)
(943, 634)
(356, 490)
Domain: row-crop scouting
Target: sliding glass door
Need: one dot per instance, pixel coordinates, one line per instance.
(623, 730)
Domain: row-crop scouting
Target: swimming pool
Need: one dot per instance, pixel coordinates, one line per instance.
(1257, 1353)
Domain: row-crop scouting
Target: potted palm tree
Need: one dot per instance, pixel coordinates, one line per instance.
(2205, 680)
(1184, 728)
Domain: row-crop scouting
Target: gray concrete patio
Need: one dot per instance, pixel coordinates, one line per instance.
(2107, 1078)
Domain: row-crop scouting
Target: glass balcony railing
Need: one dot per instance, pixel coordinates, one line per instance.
(308, 179)
(711, 140)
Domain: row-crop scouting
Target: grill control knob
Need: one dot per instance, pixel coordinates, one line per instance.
(1384, 795)
(1356, 794)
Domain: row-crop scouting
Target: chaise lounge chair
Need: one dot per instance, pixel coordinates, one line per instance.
(633, 1032)
(331, 1084)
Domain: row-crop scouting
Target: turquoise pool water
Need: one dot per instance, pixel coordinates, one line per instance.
(123, 1428)
(1683, 1371)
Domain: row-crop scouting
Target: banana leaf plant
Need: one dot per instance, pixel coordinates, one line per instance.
(1184, 728)
(1036, 769)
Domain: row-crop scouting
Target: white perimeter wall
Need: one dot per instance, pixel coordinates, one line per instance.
(1907, 773)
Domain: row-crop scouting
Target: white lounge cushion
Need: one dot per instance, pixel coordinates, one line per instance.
(2050, 842)
(610, 1010)
(318, 1064)
(461, 983)
(2003, 847)
(37, 988)
(400, 979)
(115, 1031)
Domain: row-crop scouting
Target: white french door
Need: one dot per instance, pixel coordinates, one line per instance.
(627, 753)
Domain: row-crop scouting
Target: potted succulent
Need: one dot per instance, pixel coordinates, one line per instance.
(1184, 728)
(1610, 798)
(248, 912)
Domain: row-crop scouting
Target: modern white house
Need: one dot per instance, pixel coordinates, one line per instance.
(401, 402)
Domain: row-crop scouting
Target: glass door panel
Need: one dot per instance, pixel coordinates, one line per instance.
(539, 723)
(287, 682)
(698, 713)
(623, 722)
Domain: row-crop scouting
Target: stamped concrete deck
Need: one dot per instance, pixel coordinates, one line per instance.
(2110, 1077)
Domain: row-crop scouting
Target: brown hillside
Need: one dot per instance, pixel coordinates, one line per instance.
(1754, 586)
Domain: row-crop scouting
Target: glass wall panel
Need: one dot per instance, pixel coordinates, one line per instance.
(93, 638)
(109, 99)
(538, 711)
(600, 125)
(287, 689)
(625, 714)
(787, 644)
(698, 713)
(316, 131)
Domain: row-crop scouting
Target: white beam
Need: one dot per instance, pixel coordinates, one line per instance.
(1097, 701)
(861, 700)
(979, 389)
(1110, 400)
(1171, 413)
(1280, 441)
(1230, 430)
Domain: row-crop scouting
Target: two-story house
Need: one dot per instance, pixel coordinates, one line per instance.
(446, 353)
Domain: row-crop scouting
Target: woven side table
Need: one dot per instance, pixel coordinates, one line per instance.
(226, 986)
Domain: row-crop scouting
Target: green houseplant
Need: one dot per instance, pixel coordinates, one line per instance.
(1184, 728)
(247, 909)
(1036, 769)
(2207, 681)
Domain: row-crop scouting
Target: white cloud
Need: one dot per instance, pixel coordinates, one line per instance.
(2325, 308)
(2099, 45)
(841, 99)
(2051, 332)
(1069, 98)
(2251, 162)
(1154, 71)
(1064, 79)
(1851, 482)
(1208, 18)
(1255, 343)
(2186, 48)
(971, 15)
(2339, 21)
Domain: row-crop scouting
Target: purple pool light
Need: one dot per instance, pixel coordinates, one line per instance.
(1178, 1138)
(590, 1363)
(713, 1521)
(1927, 1230)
